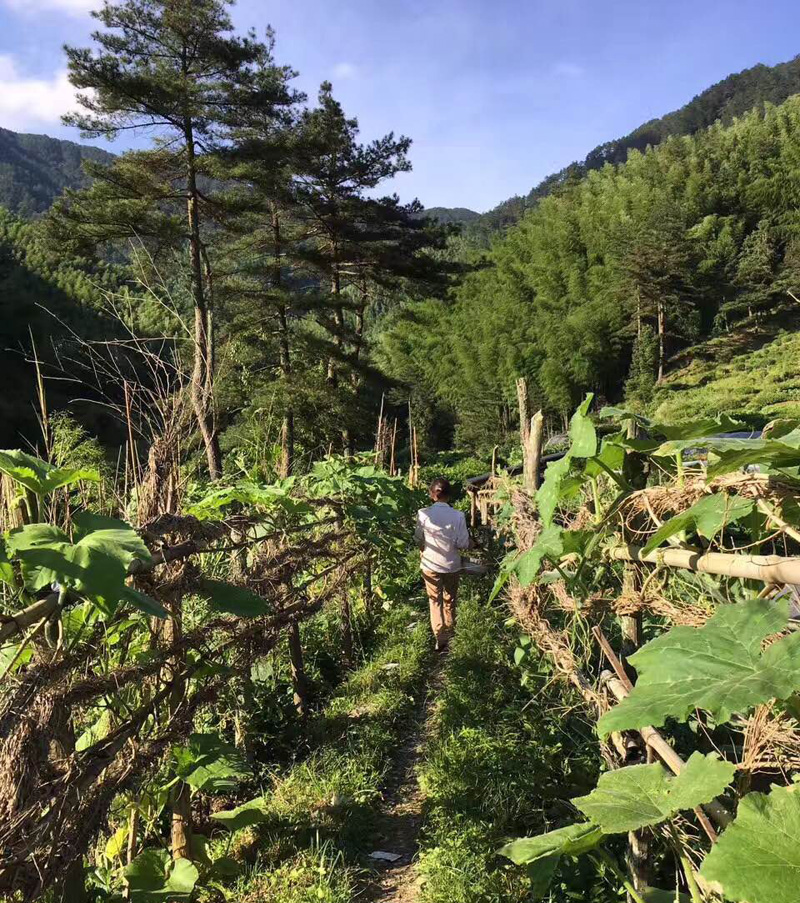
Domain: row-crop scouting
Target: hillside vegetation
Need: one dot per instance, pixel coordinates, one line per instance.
(600, 286)
(35, 170)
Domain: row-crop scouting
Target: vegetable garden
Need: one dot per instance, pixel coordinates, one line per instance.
(655, 570)
(131, 657)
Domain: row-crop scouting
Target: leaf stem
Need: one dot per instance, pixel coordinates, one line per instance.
(604, 857)
(686, 865)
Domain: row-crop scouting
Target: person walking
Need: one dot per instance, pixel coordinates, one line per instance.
(441, 535)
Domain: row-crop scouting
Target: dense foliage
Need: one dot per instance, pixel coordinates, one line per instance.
(601, 284)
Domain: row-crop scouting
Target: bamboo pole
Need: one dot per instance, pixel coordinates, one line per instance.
(766, 568)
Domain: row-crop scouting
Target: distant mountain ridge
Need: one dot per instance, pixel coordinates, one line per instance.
(733, 96)
(35, 170)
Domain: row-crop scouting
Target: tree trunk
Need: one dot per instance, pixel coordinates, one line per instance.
(299, 684)
(202, 371)
(661, 331)
(285, 358)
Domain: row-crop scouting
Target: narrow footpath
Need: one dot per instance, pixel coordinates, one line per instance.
(402, 810)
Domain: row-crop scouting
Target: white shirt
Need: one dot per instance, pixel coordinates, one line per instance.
(441, 532)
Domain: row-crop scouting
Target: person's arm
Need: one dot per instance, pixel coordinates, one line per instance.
(463, 540)
(419, 534)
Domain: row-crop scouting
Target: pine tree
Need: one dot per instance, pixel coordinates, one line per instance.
(172, 69)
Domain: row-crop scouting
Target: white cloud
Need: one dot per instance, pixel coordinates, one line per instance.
(569, 70)
(32, 102)
(345, 70)
(73, 7)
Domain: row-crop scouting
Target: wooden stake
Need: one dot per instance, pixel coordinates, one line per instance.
(532, 453)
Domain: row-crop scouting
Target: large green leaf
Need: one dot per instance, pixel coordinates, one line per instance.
(40, 476)
(543, 853)
(707, 517)
(582, 435)
(209, 763)
(549, 493)
(549, 544)
(718, 667)
(96, 565)
(640, 795)
(757, 858)
(6, 568)
(253, 812)
(112, 536)
(154, 877)
(235, 600)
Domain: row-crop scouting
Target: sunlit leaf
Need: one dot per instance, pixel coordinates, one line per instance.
(707, 517)
(40, 476)
(757, 858)
(153, 876)
(631, 798)
(209, 763)
(253, 812)
(543, 853)
(719, 667)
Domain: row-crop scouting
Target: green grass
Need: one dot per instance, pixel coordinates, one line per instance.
(750, 371)
(499, 764)
(323, 810)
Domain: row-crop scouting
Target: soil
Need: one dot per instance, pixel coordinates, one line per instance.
(403, 806)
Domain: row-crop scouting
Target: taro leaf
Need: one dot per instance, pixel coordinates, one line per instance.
(582, 435)
(611, 454)
(40, 476)
(234, 600)
(95, 565)
(253, 812)
(640, 795)
(209, 763)
(696, 429)
(115, 846)
(144, 603)
(110, 535)
(757, 858)
(707, 516)
(654, 895)
(543, 853)
(152, 877)
(718, 667)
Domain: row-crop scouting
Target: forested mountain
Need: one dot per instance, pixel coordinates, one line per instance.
(601, 284)
(35, 170)
(46, 297)
(733, 96)
(447, 215)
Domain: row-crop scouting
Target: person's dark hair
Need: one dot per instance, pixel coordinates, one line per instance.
(439, 490)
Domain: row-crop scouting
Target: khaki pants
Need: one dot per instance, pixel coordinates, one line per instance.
(442, 592)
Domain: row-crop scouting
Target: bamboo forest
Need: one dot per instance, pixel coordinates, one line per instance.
(358, 551)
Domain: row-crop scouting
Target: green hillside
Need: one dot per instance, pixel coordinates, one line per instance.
(750, 370)
(35, 169)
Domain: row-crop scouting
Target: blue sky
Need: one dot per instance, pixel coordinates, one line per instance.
(496, 94)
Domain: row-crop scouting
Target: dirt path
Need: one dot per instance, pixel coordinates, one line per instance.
(402, 810)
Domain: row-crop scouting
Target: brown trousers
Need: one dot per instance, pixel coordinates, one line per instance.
(442, 592)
